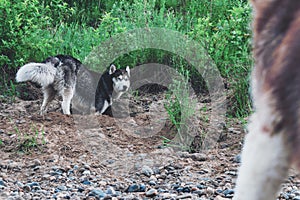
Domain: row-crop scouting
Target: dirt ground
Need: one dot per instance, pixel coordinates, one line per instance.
(146, 129)
(117, 146)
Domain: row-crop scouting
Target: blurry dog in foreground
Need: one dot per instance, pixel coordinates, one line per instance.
(57, 75)
(273, 142)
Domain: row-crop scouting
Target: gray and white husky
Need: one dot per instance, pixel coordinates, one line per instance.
(57, 75)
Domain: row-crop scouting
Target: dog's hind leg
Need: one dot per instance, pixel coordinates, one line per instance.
(67, 97)
(49, 94)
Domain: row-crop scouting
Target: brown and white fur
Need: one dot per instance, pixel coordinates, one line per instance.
(273, 142)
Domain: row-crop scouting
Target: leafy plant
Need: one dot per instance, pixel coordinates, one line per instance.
(31, 140)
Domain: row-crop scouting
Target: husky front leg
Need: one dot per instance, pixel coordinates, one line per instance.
(101, 106)
(49, 94)
(264, 162)
(67, 97)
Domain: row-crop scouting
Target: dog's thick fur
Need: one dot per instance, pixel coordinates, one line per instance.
(273, 142)
(57, 75)
(83, 101)
(112, 84)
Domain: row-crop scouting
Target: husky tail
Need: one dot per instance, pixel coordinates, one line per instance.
(41, 73)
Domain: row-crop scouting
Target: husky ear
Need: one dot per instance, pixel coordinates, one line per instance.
(128, 70)
(112, 69)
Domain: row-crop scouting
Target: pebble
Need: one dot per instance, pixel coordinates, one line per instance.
(2, 183)
(62, 188)
(152, 183)
(97, 193)
(110, 191)
(237, 158)
(147, 171)
(152, 192)
(210, 190)
(86, 182)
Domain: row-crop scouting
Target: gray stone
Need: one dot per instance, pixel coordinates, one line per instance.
(151, 193)
(147, 171)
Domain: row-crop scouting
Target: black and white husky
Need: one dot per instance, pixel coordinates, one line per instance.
(57, 75)
(112, 84)
(95, 92)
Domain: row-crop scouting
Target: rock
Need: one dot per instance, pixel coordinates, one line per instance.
(136, 188)
(97, 193)
(80, 189)
(87, 172)
(142, 188)
(133, 188)
(62, 188)
(76, 167)
(19, 184)
(237, 158)
(201, 186)
(36, 168)
(184, 196)
(152, 183)
(86, 182)
(37, 162)
(110, 191)
(186, 189)
(228, 186)
(27, 188)
(147, 171)
(210, 190)
(151, 193)
(2, 183)
(199, 157)
(102, 183)
(228, 193)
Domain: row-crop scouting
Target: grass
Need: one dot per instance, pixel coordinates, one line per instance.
(180, 107)
(170, 143)
(29, 141)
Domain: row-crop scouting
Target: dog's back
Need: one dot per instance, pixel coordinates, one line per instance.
(56, 75)
(273, 142)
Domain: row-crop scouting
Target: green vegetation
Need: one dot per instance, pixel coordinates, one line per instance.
(32, 140)
(33, 30)
(181, 109)
(179, 104)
